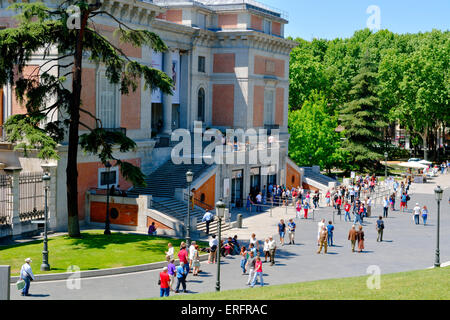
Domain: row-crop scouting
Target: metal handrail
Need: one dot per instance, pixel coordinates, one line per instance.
(199, 201)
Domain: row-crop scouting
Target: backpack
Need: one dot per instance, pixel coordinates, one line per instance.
(408, 198)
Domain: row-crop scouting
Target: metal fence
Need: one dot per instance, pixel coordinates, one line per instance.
(5, 200)
(31, 196)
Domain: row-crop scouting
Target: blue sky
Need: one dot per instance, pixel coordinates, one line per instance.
(330, 19)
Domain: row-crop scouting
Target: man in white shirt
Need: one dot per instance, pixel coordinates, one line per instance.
(191, 254)
(417, 210)
(208, 218)
(272, 249)
(385, 207)
(26, 274)
(213, 244)
(259, 202)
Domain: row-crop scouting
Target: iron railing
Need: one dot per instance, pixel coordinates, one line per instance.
(5, 200)
(31, 196)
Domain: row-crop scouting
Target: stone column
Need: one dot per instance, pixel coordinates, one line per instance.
(167, 98)
(14, 173)
(51, 200)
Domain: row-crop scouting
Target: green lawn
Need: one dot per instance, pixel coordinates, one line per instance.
(93, 251)
(430, 284)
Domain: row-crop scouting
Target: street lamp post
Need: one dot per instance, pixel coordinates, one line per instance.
(438, 193)
(220, 211)
(107, 223)
(45, 266)
(189, 178)
(385, 166)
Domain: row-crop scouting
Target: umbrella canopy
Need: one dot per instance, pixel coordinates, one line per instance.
(425, 162)
(413, 164)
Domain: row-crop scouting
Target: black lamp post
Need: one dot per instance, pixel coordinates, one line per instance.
(45, 266)
(189, 178)
(438, 193)
(107, 223)
(220, 211)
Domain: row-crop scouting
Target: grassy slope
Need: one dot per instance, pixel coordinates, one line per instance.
(93, 251)
(431, 284)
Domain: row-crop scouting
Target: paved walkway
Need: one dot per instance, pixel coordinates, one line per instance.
(406, 247)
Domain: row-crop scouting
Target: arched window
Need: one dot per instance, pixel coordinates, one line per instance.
(201, 105)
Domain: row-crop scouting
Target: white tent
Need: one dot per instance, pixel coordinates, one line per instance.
(425, 162)
(413, 164)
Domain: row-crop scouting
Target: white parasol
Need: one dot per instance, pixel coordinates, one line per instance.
(413, 164)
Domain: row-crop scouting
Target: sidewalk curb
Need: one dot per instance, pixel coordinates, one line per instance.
(102, 272)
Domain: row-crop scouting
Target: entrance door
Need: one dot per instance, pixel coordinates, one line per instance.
(255, 181)
(236, 188)
(272, 179)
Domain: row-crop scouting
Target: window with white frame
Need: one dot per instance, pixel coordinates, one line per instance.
(105, 177)
(269, 108)
(107, 102)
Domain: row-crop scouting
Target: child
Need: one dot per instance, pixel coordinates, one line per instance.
(244, 258)
(330, 229)
(298, 207)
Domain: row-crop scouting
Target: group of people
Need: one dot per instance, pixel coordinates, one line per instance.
(189, 263)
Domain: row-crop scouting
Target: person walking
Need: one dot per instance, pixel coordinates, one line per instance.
(213, 244)
(266, 250)
(330, 229)
(385, 207)
(258, 273)
(320, 225)
(347, 207)
(26, 274)
(164, 282)
(255, 242)
(259, 202)
(181, 277)
(424, 215)
(282, 231)
(380, 228)
(171, 270)
(191, 252)
(369, 206)
(250, 266)
(403, 202)
(298, 208)
(291, 230)
(352, 235)
(272, 250)
(416, 211)
(306, 208)
(244, 257)
(208, 217)
(183, 256)
(360, 238)
(169, 252)
(323, 240)
(196, 261)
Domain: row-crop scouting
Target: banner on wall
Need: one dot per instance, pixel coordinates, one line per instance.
(226, 188)
(157, 63)
(176, 76)
(157, 59)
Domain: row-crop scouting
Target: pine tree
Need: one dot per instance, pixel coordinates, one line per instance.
(44, 29)
(363, 119)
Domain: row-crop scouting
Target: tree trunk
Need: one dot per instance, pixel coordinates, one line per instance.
(72, 154)
(424, 136)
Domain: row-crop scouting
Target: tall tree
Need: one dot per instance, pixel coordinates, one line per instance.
(43, 29)
(314, 139)
(362, 118)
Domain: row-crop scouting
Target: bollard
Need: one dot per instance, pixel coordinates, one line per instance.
(239, 221)
(5, 276)
(314, 212)
(333, 216)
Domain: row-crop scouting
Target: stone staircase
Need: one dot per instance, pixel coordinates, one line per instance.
(161, 184)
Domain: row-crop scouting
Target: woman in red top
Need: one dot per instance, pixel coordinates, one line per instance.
(258, 272)
(164, 281)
